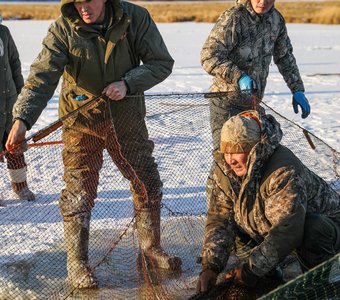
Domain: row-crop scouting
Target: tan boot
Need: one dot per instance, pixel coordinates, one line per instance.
(148, 229)
(19, 184)
(76, 234)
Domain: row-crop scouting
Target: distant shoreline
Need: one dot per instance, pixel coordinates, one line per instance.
(153, 1)
(298, 11)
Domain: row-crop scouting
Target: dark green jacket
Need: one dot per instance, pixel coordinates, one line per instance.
(89, 61)
(269, 204)
(11, 80)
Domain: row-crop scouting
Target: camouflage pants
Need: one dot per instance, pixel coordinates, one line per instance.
(220, 112)
(83, 154)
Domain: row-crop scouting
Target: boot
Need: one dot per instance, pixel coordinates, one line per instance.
(148, 229)
(22, 191)
(76, 235)
(19, 184)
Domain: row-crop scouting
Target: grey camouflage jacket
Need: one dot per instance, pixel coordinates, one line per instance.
(269, 204)
(245, 42)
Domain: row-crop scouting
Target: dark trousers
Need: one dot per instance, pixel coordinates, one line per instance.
(321, 241)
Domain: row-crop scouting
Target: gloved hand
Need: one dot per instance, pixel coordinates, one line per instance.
(299, 98)
(206, 280)
(246, 84)
(80, 97)
(243, 276)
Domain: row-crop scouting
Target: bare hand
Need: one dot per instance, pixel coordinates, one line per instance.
(242, 276)
(16, 142)
(116, 90)
(234, 274)
(206, 280)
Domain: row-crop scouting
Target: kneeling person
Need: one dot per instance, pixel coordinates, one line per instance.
(266, 204)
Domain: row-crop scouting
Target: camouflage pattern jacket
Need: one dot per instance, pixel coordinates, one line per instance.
(11, 80)
(89, 59)
(269, 204)
(245, 42)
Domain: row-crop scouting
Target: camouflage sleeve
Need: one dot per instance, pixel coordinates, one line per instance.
(285, 207)
(216, 49)
(219, 234)
(284, 59)
(43, 78)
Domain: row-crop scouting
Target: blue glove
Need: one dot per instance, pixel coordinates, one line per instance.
(246, 84)
(299, 98)
(80, 97)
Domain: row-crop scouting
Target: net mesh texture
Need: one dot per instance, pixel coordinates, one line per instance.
(33, 252)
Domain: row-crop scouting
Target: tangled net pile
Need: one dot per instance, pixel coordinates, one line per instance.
(33, 256)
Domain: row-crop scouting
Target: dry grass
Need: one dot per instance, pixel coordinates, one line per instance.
(181, 12)
(327, 12)
(29, 11)
(323, 12)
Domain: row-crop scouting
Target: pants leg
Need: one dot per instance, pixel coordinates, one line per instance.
(136, 149)
(83, 158)
(321, 240)
(136, 146)
(220, 112)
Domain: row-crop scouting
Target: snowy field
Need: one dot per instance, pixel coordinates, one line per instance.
(317, 50)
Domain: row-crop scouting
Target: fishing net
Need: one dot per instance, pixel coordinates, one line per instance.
(322, 282)
(33, 252)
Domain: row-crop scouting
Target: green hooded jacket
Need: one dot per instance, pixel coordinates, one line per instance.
(11, 80)
(88, 61)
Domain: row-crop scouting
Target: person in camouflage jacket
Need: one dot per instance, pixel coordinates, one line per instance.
(114, 48)
(11, 82)
(264, 204)
(238, 53)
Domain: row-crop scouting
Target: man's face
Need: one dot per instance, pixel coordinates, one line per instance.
(92, 11)
(237, 162)
(262, 6)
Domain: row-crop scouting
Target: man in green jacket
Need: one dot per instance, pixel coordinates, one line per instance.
(264, 204)
(97, 46)
(11, 82)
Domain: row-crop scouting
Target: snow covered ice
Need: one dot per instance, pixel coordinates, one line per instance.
(316, 48)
